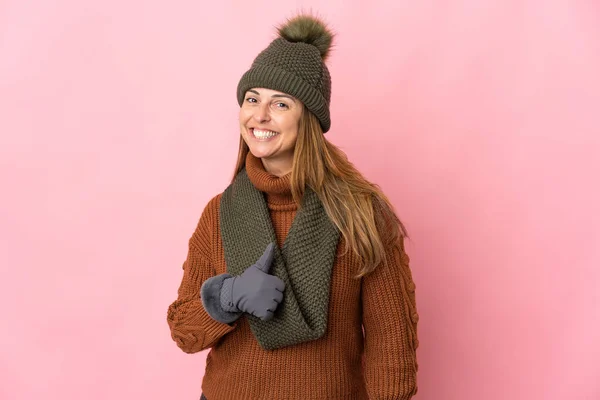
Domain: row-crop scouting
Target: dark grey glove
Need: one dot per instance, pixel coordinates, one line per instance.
(255, 291)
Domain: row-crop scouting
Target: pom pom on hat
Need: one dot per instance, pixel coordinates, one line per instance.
(310, 30)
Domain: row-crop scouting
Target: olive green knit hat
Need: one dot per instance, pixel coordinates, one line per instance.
(294, 63)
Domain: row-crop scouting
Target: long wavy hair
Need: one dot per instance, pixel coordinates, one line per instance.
(360, 210)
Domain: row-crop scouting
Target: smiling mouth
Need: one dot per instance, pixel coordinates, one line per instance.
(263, 134)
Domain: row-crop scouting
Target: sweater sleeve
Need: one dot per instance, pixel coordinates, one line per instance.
(390, 328)
(192, 328)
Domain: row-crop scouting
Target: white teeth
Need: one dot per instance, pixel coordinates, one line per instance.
(264, 134)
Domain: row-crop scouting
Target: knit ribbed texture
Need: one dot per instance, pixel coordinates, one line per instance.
(304, 262)
(293, 68)
(331, 367)
(227, 296)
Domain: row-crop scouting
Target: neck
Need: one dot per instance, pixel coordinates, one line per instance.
(276, 167)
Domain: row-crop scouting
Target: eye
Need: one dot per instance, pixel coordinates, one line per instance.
(251, 100)
(282, 106)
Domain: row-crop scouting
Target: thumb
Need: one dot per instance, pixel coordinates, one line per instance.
(264, 262)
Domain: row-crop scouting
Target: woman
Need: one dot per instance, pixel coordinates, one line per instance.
(296, 276)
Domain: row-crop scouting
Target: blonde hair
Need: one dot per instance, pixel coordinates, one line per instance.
(360, 210)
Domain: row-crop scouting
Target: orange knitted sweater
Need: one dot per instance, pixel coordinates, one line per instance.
(368, 351)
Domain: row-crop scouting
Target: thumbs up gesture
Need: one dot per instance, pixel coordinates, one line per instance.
(255, 291)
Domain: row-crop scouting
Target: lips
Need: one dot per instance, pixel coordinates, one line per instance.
(263, 134)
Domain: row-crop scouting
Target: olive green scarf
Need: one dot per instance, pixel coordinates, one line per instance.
(304, 262)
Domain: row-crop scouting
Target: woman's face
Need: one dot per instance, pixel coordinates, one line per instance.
(269, 125)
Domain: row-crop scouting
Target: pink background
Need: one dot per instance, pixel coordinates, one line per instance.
(118, 122)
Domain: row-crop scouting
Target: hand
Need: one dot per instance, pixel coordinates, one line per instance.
(255, 291)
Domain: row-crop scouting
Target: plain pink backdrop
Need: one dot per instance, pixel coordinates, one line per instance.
(480, 120)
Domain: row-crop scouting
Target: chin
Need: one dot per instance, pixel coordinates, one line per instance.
(257, 153)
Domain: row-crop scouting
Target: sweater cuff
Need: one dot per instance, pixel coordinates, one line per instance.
(210, 292)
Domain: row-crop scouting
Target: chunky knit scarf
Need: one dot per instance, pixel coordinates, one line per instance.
(304, 262)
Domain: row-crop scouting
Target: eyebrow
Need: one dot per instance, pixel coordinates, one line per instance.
(284, 95)
(275, 95)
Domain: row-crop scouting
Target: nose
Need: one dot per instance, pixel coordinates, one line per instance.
(261, 112)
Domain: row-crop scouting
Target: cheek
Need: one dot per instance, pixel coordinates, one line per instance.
(291, 124)
(243, 116)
